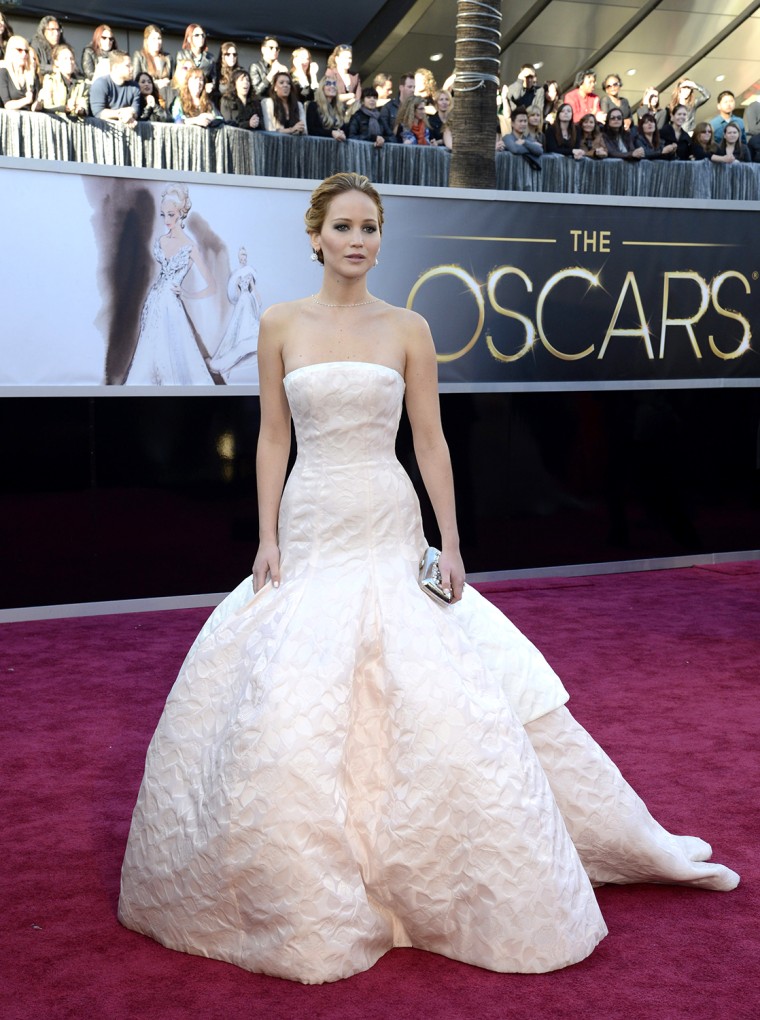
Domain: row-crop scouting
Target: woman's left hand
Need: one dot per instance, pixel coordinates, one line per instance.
(452, 573)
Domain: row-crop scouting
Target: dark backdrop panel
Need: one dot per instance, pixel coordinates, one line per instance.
(136, 497)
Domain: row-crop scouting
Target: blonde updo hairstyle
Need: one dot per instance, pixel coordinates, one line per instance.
(178, 196)
(329, 189)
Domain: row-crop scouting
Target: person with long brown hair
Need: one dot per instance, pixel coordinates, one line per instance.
(153, 59)
(281, 110)
(193, 106)
(95, 55)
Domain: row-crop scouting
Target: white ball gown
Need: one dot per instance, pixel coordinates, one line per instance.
(167, 352)
(344, 766)
(241, 337)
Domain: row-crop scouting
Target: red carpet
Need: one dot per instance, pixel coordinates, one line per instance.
(662, 669)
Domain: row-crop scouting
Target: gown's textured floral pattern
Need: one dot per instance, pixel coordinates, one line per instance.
(344, 766)
(167, 352)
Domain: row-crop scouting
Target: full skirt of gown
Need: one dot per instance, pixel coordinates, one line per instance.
(167, 351)
(344, 766)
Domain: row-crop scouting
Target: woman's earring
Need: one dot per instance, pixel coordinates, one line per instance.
(377, 260)
(314, 256)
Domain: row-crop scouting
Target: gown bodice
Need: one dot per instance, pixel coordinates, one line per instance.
(172, 268)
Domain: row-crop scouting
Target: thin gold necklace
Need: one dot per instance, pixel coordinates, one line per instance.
(355, 304)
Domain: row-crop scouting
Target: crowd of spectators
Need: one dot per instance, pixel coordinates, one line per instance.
(195, 87)
(590, 124)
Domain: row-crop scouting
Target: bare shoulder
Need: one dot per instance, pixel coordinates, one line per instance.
(411, 325)
(281, 315)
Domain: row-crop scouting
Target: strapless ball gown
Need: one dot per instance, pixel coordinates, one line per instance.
(167, 351)
(344, 766)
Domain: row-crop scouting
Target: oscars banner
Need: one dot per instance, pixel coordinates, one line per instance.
(124, 281)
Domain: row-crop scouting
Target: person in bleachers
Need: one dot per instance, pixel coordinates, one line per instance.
(195, 48)
(561, 136)
(650, 103)
(589, 138)
(365, 125)
(115, 97)
(325, 114)
(438, 122)
(263, 70)
(691, 95)
(702, 142)
(583, 97)
(227, 66)
(349, 85)
(153, 59)
(18, 82)
(49, 34)
(65, 91)
(411, 127)
(676, 132)
(304, 73)
(239, 106)
(426, 87)
(552, 102)
(152, 106)
(752, 118)
(523, 92)
(731, 149)
(281, 110)
(383, 84)
(617, 141)
(389, 111)
(726, 116)
(181, 70)
(6, 31)
(535, 125)
(611, 99)
(95, 56)
(647, 137)
(518, 141)
(193, 106)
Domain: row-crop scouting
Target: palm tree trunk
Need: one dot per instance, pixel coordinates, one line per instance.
(477, 64)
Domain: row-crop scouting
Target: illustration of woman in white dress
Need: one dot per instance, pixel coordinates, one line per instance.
(241, 338)
(344, 765)
(169, 351)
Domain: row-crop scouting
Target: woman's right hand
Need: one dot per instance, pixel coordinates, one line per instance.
(266, 564)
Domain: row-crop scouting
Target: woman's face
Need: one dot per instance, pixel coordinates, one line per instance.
(552, 91)
(615, 121)
(230, 57)
(731, 134)
(443, 102)
(106, 39)
(145, 84)
(350, 235)
(565, 113)
(534, 119)
(198, 39)
(154, 43)
(420, 88)
(16, 53)
(684, 93)
(243, 86)
(343, 60)
(648, 126)
(196, 83)
(330, 89)
(588, 124)
(419, 111)
(282, 86)
(705, 135)
(680, 116)
(169, 214)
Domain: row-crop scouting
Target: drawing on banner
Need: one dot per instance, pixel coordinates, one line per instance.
(235, 358)
(170, 350)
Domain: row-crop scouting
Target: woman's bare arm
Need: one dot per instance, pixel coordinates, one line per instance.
(273, 447)
(431, 451)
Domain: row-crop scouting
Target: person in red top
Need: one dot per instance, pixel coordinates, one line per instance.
(583, 99)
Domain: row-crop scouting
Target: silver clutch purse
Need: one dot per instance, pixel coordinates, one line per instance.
(430, 577)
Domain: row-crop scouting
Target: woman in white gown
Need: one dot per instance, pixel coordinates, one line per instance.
(167, 351)
(343, 765)
(241, 337)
